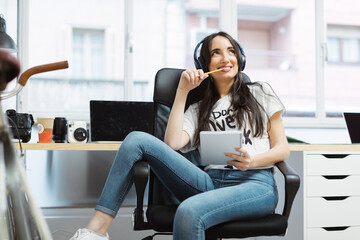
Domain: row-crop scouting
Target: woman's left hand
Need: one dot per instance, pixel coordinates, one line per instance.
(241, 161)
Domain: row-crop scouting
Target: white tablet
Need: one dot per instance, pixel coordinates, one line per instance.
(213, 145)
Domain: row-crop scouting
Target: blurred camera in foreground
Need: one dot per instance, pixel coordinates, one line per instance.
(20, 124)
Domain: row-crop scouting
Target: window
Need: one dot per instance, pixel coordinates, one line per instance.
(334, 53)
(169, 37)
(115, 47)
(343, 50)
(88, 53)
(92, 40)
(277, 42)
(102, 49)
(351, 50)
(341, 83)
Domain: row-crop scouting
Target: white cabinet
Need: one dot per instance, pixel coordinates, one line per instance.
(331, 199)
(327, 205)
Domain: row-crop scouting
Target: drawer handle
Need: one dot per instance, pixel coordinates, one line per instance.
(335, 228)
(335, 177)
(335, 155)
(338, 198)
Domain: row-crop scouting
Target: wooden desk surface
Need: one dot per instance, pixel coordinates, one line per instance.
(70, 146)
(115, 146)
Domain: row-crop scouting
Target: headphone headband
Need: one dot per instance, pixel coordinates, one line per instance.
(200, 63)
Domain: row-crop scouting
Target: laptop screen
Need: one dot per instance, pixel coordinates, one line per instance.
(353, 125)
(113, 120)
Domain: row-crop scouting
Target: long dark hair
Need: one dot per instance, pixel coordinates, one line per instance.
(244, 104)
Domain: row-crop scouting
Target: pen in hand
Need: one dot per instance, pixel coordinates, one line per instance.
(217, 70)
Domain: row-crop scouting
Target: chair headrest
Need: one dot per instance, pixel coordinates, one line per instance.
(166, 82)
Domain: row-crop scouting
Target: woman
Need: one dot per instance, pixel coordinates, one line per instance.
(248, 190)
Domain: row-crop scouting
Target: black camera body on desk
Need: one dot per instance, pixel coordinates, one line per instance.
(20, 124)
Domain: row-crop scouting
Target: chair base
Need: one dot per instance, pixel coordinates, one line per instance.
(152, 236)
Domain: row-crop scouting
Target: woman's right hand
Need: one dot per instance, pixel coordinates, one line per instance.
(175, 136)
(191, 78)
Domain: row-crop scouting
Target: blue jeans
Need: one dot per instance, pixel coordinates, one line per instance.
(207, 198)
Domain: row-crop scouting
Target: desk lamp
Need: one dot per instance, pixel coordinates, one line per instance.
(6, 41)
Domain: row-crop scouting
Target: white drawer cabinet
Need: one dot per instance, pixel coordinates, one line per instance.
(327, 205)
(331, 198)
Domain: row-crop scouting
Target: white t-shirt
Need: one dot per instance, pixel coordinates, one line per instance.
(221, 120)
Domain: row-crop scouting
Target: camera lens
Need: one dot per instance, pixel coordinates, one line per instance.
(59, 130)
(80, 134)
(11, 112)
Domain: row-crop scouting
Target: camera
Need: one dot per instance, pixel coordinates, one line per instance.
(77, 132)
(20, 124)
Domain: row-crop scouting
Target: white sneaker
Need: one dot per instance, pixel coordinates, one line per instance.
(86, 234)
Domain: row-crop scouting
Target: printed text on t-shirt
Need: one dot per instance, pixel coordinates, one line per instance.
(222, 119)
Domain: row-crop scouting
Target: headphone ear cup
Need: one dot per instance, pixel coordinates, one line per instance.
(197, 63)
(243, 62)
(200, 63)
(242, 57)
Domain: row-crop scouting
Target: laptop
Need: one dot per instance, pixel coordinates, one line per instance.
(353, 126)
(112, 121)
(213, 145)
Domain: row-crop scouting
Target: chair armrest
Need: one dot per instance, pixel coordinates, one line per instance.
(141, 175)
(292, 184)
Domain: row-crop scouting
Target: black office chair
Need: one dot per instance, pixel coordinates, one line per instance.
(162, 204)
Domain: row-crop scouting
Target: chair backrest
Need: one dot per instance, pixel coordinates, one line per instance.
(166, 83)
(165, 86)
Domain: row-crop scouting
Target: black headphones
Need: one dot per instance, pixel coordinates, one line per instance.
(200, 63)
